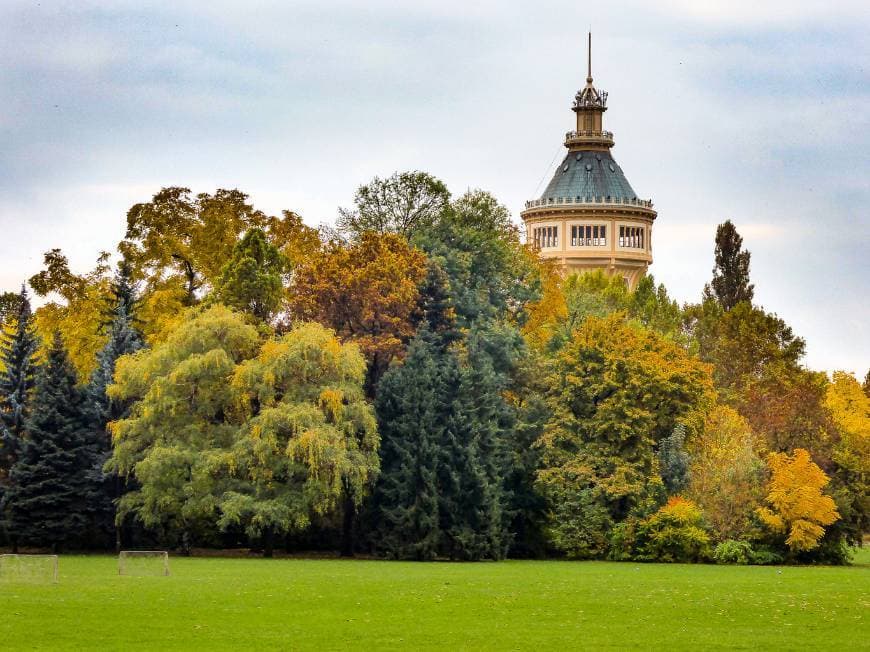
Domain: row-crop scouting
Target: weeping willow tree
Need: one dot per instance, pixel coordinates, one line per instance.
(229, 430)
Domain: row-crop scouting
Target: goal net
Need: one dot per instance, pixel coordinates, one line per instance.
(28, 568)
(143, 562)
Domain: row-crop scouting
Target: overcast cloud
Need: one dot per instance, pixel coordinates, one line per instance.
(757, 112)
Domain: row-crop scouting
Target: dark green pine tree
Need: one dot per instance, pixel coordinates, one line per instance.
(730, 284)
(437, 305)
(410, 415)
(51, 494)
(473, 498)
(251, 281)
(124, 338)
(17, 352)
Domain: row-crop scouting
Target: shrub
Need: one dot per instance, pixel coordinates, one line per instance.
(733, 552)
(675, 533)
(765, 557)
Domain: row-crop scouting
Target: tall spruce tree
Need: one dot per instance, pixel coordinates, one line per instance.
(730, 284)
(410, 413)
(474, 515)
(17, 352)
(51, 495)
(124, 338)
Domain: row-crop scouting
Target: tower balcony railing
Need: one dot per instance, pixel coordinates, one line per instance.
(601, 201)
(585, 136)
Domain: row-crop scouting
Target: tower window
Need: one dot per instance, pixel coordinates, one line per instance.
(588, 235)
(631, 237)
(546, 237)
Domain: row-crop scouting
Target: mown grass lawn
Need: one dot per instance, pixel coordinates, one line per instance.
(256, 604)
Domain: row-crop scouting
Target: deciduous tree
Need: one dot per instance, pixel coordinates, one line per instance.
(368, 292)
(308, 442)
(402, 204)
(615, 391)
(798, 508)
(189, 238)
(726, 474)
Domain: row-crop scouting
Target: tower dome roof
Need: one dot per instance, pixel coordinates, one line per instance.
(593, 174)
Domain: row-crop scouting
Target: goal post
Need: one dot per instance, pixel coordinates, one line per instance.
(143, 562)
(28, 569)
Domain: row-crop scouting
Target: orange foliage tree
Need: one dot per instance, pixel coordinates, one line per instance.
(798, 506)
(368, 292)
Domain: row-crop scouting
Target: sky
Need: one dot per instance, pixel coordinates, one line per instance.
(749, 111)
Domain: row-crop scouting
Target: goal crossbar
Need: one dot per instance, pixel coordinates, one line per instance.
(143, 562)
(28, 568)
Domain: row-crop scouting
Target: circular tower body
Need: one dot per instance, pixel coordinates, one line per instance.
(589, 217)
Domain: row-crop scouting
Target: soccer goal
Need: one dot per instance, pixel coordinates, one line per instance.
(143, 562)
(30, 569)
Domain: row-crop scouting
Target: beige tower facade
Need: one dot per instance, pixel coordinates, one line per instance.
(589, 217)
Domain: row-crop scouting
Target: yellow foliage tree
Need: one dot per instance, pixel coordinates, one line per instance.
(798, 506)
(849, 407)
(726, 472)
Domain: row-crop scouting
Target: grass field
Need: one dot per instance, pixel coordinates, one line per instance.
(247, 604)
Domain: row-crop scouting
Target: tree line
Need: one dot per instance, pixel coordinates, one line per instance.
(413, 383)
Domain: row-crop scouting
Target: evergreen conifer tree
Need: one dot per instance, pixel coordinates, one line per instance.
(730, 283)
(474, 515)
(674, 460)
(251, 281)
(51, 495)
(410, 414)
(124, 338)
(17, 352)
(437, 305)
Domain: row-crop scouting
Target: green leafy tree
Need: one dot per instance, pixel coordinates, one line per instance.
(10, 304)
(308, 442)
(402, 204)
(226, 430)
(730, 284)
(675, 533)
(252, 280)
(615, 391)
(188, 238)
(50, 498)
(178, 429)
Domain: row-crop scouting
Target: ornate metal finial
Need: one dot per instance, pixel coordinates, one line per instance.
(589, 60)
(590, 97)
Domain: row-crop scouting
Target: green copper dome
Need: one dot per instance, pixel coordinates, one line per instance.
(589, 174)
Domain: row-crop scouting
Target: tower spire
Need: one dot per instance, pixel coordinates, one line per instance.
(589, 60)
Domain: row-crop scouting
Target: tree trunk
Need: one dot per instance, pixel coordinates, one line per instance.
(268, 542)
(347, 533)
